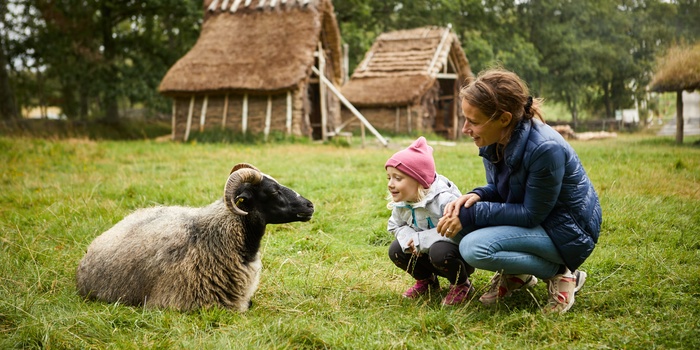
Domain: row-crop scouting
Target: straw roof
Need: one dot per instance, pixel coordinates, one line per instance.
(256, 46)
(402, 65)
(678, 70)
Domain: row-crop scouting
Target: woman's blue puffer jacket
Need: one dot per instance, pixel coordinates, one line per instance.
(548, 187)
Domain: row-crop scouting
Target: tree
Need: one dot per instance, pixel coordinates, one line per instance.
(8, 109)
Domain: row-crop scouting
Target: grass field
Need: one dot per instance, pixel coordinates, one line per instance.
(328, 283)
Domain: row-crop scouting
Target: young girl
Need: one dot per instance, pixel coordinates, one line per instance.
(418, 197)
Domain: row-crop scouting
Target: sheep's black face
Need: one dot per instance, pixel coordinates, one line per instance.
(274, 203)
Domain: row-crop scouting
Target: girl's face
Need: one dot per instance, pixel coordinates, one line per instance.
(402, 187)
(479, 127)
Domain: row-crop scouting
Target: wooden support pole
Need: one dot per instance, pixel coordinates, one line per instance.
(409, 118)
(203, 116)
(679, 117)
(289, 113)
(223, 117)
(350, 107)
(244, 116)
(322, 93)
(189, 119)
(398, 117)
(268, 116)
(172, 137)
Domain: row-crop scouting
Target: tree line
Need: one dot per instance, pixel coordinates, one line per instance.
(97, 58)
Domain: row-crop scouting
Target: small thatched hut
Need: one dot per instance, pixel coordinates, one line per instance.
(678, 71)
(251, 70)
(409, 81)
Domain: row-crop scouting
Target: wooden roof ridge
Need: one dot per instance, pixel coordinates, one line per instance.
(235, 5)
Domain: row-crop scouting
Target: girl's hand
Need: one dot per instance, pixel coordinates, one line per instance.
(412, 247)
(448, 226)
(466, 200)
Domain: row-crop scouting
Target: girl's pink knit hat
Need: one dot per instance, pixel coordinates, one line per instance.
(415, 161)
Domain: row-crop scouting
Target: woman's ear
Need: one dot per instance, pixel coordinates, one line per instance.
(505, 119)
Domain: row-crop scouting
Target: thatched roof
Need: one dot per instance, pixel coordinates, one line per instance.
(246, 47)
(402, 65)
(678, 70)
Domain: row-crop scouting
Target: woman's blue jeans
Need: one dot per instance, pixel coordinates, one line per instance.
(513, 250)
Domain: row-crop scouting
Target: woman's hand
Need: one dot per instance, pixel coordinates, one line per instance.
(448, 226)
(466, 200)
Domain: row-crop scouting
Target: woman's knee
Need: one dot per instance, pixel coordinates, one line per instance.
(473, 251)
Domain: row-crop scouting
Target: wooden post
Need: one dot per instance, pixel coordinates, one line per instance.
(172, 137)
(189, 119)
(268, 116)
(203, 116)
(322, 94)
(679, 117)
(289, 113)
(398, 118)
(362, 134)
(223, 117)
(244, 116)
(408, 109)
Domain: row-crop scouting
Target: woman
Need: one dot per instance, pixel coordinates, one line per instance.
(539, 215)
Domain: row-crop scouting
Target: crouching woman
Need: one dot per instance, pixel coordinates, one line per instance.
(538, 216)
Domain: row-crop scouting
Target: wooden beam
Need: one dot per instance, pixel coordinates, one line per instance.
(447, 76)
(439, 49)
(244, 116)
(322, 92)
(235, 5)
(409, 118)
(398, 118)
(224, 5)
(223, 117)
(350, 106)
(203, 116)
(213, 5)
(172, 137)
(189, 119)
(289, 113)
(679, 117)
(268, 116)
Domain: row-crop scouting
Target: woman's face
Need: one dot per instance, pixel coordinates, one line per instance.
(402, 187)
(479, 127)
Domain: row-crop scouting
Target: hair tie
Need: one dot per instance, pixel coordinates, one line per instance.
(528, 105)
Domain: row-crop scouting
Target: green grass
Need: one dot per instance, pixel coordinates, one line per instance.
(328, 283)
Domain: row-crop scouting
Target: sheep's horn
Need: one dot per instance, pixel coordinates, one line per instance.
(241, 173)
(243, 166)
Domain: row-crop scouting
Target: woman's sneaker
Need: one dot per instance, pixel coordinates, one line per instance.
(580, 279)
(458, 293)
(562, 290)
(503, 285)
(422, 287)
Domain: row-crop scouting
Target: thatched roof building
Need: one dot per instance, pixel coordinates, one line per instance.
(677, 71)
(251, 69)
(409, 81)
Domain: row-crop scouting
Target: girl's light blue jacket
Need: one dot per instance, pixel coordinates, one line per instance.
(419, 220)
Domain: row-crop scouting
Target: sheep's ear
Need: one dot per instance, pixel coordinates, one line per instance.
(241, 166)
(242, 200)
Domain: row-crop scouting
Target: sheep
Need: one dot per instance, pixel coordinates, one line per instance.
(188, 258)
